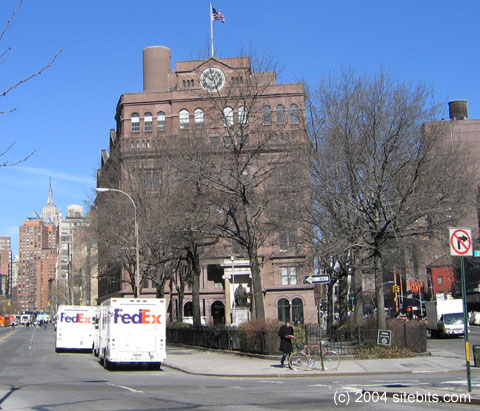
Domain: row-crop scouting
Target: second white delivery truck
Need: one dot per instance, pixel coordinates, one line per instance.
(74, 327)
(445, 317)
(132, 330)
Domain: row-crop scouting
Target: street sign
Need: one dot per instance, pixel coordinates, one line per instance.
(476, 253)
(318, 279)
(384, 337)
(460, 242)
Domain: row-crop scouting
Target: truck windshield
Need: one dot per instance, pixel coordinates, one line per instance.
(451, 319)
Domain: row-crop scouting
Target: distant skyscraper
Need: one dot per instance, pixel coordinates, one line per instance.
(50, 213)
(38, 239)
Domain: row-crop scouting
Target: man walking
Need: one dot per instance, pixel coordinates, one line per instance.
(286, 336)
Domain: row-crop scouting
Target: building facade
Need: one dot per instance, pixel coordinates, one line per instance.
(37, 260)
(36, 264)
(442, 275)
(176, 104)
(5, 265)
(76, 261)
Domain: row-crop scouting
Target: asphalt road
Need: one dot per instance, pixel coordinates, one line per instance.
(34, 377)
(455, 345)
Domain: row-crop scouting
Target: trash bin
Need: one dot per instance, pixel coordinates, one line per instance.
(476, 355)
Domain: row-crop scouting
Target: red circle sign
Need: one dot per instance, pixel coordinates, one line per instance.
(460, 242)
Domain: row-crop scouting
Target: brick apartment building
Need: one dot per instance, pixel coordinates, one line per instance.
(176, 102)
(5, 265)
(463, 132)
(38, 241)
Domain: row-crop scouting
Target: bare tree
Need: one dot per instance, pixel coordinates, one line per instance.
(378, 175)
(240, 161)
(8, 89)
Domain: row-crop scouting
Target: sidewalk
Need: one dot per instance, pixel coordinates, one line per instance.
(205, 362)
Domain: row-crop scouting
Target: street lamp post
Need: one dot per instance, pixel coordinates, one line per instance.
(234, 319)
(137, 250)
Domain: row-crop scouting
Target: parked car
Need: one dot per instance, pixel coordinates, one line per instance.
(474, 318)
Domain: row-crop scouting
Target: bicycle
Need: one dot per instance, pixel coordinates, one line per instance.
(309, 356)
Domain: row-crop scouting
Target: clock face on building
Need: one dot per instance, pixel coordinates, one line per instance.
(212, 79)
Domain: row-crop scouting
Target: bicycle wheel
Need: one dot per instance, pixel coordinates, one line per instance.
(331, 361)
(298, 361)
(316, 361)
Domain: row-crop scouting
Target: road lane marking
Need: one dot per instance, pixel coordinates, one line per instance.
(122, 386)
(8, 335)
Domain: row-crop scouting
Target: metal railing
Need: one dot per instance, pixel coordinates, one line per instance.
(343, 341)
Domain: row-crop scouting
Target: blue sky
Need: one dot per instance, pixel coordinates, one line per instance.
(65, 113)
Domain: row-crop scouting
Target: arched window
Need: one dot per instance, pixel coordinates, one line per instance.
(243, 115)
(148, 122)
(160, 120)
(218, 313)
(228, 116)
(188, 309)
(267, 115)
(294, 117)
(283, 310)
(297, 311)
(135, 122)
(184, 117)
(280, 114)
(198, 116)
(184, 84)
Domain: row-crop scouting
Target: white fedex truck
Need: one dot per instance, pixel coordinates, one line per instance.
(132, 330)
(74, 327)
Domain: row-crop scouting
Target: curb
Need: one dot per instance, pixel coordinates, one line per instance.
(306, 374)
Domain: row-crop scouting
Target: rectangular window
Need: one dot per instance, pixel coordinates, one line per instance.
(440, 280)
(287, 240)
(289, 275)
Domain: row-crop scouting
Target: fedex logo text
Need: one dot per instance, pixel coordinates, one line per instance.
(143, 317)
(80, 318)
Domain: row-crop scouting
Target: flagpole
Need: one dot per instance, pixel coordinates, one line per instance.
(211, 26)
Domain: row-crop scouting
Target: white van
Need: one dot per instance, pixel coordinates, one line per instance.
(74, 327)
(132, 331)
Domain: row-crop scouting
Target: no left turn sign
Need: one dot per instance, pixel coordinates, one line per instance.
(460, 242)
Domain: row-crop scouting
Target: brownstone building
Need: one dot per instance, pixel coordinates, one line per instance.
(174, 103)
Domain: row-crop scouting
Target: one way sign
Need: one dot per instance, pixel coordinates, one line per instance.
(317, 279)
(460, 242)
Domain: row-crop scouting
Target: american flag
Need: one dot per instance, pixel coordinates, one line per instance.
(216, 15)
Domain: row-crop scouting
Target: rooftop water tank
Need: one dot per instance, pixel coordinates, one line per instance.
(458, 109)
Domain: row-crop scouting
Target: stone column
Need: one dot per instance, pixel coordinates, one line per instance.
(228, 303)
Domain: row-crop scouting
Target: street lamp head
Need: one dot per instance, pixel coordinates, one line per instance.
(102, 189)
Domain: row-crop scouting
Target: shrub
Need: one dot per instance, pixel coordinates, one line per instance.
(382, 352)
(260, 336)
(179, 324)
